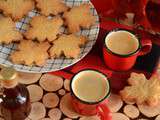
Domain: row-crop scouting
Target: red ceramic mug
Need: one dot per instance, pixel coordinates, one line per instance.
(121, 49)
(89, 92)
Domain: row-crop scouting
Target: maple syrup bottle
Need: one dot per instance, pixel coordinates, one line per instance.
(15, 101)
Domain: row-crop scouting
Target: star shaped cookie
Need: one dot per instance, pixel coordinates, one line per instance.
(30, 53)
(67, 45)
(8, 32)
(43, 28)
(79, 17)
(51, 7)
(16, 8)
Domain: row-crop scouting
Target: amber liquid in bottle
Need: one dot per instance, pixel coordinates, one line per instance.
(15, 101)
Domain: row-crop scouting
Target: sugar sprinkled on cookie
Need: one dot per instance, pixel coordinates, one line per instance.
(43, 28)
(8, 32)
(79, 16)
(16, 8)
(30, 53)
(51, 7)
(69, 45)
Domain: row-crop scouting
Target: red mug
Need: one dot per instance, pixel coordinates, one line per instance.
(87, 107)
(123, 62)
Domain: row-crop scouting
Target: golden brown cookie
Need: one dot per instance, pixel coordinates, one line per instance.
(67, 45)
(30, 53)
(51, 7)
(43, 28)
(16, 8)
(142, 90)
(8, 32)
(78, 17)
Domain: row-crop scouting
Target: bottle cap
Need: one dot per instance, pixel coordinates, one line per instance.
(8, 77)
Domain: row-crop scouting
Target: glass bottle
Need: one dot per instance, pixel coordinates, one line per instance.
(14, 98)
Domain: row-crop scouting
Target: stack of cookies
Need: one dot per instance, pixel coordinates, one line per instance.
(43, 39)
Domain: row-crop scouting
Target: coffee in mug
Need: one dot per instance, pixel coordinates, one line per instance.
(122, 42)
(122, 47)
(89, 92)
(90, 86)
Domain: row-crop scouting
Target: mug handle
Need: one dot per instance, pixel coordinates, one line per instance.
(104, 112)
(146, 46)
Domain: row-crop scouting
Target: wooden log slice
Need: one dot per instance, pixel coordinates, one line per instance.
(38, 111)
(51, 83)
(66, 107)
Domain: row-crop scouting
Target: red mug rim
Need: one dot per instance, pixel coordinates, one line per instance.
(127, 55)
(85, 102)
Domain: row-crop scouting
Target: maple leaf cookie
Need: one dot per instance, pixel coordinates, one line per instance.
(8, 32)
(78, 17)
(142, 90)
(51, 7)
(43, 28)
(30, 53)
(67, 45)
(16, 8)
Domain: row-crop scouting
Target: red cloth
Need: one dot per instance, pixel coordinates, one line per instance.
(94, 60)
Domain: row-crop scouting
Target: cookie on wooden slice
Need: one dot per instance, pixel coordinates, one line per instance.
(149, 111)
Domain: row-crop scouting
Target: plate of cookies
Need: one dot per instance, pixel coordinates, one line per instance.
(39, 36)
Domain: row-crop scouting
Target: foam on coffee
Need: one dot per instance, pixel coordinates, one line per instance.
(122, 42)
(90, 86)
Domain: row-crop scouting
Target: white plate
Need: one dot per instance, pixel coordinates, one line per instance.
(51, 64)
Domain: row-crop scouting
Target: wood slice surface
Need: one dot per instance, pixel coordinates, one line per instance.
(35, 92)
(115, 103)
(131, 111)
(66, 107)
(158, 117)
(62, 92)
(149, 111)
(55, 114)
(67, 84)
(119, 116)
(50, 100)
(38, 111)
(28, 78)
(46, 119)
(51, 83)
(54, 95)
(90, 118)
